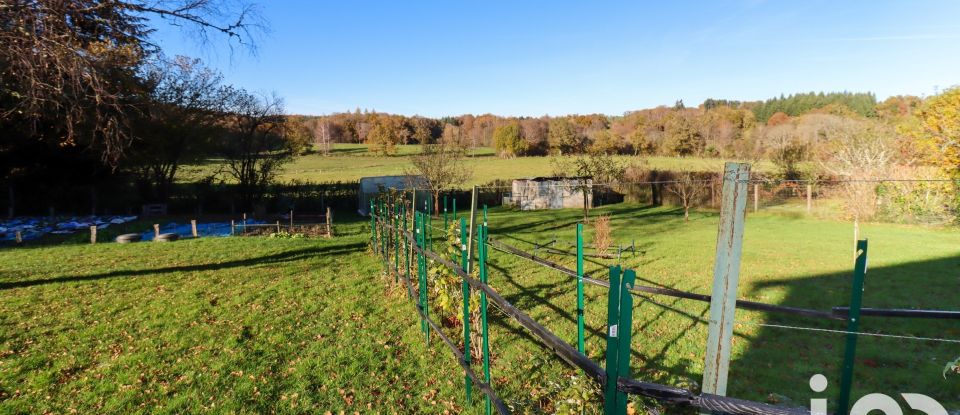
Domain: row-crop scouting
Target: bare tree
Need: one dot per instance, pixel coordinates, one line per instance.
(69, 69)
(860, 153)
(258, 143)
(442, 167)
(688, 189)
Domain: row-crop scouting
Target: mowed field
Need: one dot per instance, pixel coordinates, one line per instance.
(350, 162)
(260, 325)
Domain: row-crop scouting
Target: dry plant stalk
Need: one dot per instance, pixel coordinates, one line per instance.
(601, 235)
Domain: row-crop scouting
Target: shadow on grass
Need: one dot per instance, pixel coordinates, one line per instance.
(246, 262)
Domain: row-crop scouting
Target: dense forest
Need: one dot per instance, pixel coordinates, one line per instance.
(715, 128)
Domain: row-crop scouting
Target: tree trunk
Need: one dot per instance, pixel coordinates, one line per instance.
(436, 203)
(686, 212)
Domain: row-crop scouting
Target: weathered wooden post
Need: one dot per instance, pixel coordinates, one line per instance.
(809, 198)
(19, 238)
(756, 197)
(278, 226)
(291, 220)
(726, 277)
(853, 328)
(233, 227)
(329, 218)
(93, 234)
(156, 231)
(193, 227)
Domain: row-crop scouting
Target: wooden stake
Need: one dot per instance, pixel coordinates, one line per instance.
(156, 230)
(93, 234)
(856, 234)
(809, 198)
(19, 238)
(329, 223)
(193, 227)
(726, 277)
(756, 197)
(232, 228)
(291, 219)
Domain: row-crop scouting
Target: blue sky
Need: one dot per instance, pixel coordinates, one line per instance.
(558, 57)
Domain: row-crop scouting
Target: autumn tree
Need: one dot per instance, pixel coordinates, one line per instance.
(442, 166)
(860, 153)
(563, 137)
(507, 140)
(683, 138)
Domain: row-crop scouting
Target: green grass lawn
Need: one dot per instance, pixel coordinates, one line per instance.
(350, 162)
(257, 325)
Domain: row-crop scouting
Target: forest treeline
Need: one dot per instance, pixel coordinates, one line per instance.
(715, 128)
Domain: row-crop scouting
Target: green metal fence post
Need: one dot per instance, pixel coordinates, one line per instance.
(612, 352)
(397, 240)
(853, 328)
(373, 228)
(406, 252)
(485, 334)
(625, 326)
(418, 235)
(466, 307)
(424, 298)
(580, 341)
(455, 209)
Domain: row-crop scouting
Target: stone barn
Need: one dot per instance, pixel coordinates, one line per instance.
(549, 193)
(370, 186)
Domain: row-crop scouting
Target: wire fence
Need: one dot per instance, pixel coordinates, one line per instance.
(775, 193)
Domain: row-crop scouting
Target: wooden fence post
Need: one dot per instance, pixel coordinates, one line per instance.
(156, 231)
(291, 220)
(329, 223)
(233, 227)
(193, 227)
(809, 198)
(19, 238)
(93, 234)
(726, 276)
(853, 328)
(756, 197)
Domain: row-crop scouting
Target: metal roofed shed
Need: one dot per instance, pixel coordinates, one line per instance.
(370, 186)
(550, 193)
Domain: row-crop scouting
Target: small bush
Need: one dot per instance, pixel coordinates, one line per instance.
(601, 235)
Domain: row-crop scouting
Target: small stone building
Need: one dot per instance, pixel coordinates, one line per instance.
(549, 193)
(370, 186)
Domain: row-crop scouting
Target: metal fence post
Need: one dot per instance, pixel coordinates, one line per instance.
(726, 277)
(485, 334)
(625, 326)
(397, 240)
(424, 299)
(853, 328)
(612, 353)
(466, 307)
(580, 341)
